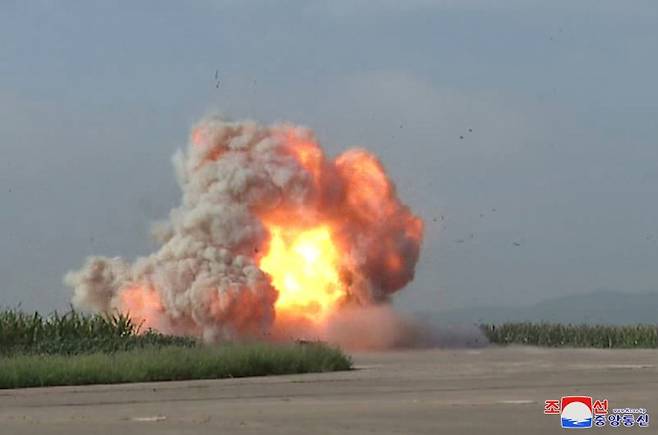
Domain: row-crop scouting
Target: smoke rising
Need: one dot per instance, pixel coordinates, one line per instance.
(243, 184)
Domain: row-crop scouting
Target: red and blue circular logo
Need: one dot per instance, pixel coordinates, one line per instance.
(576, 412)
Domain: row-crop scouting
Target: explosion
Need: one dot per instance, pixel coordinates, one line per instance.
(271, 237)
(302, 265)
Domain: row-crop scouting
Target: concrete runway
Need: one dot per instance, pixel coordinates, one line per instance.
(488, 391)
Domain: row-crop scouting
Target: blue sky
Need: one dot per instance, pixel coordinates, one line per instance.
(561, 98)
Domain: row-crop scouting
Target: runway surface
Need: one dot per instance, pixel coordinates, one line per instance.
(488, 391)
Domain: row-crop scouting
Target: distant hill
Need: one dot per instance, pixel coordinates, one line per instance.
(603, 306)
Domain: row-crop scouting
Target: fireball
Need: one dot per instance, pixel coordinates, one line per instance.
(303, 265)
(271, 237)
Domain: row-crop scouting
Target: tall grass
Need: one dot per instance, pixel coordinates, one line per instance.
(569, 335)
(170, 363)
(76, 349)
(75, 333)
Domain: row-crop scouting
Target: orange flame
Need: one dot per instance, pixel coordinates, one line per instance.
(143, 305)
(304, 269)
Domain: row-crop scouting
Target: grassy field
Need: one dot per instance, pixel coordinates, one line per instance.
(560, 335)
(169, 363)
(76, 349)
(75, 333)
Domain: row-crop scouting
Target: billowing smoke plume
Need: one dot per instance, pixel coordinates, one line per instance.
(270, 233)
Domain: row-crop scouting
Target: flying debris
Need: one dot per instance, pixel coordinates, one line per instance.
(217, 81)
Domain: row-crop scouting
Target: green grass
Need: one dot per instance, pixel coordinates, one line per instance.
(170, 363)
(561, 335)
(75, 333)
(77, 349)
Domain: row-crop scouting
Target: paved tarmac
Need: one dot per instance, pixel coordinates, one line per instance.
(486, 391)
